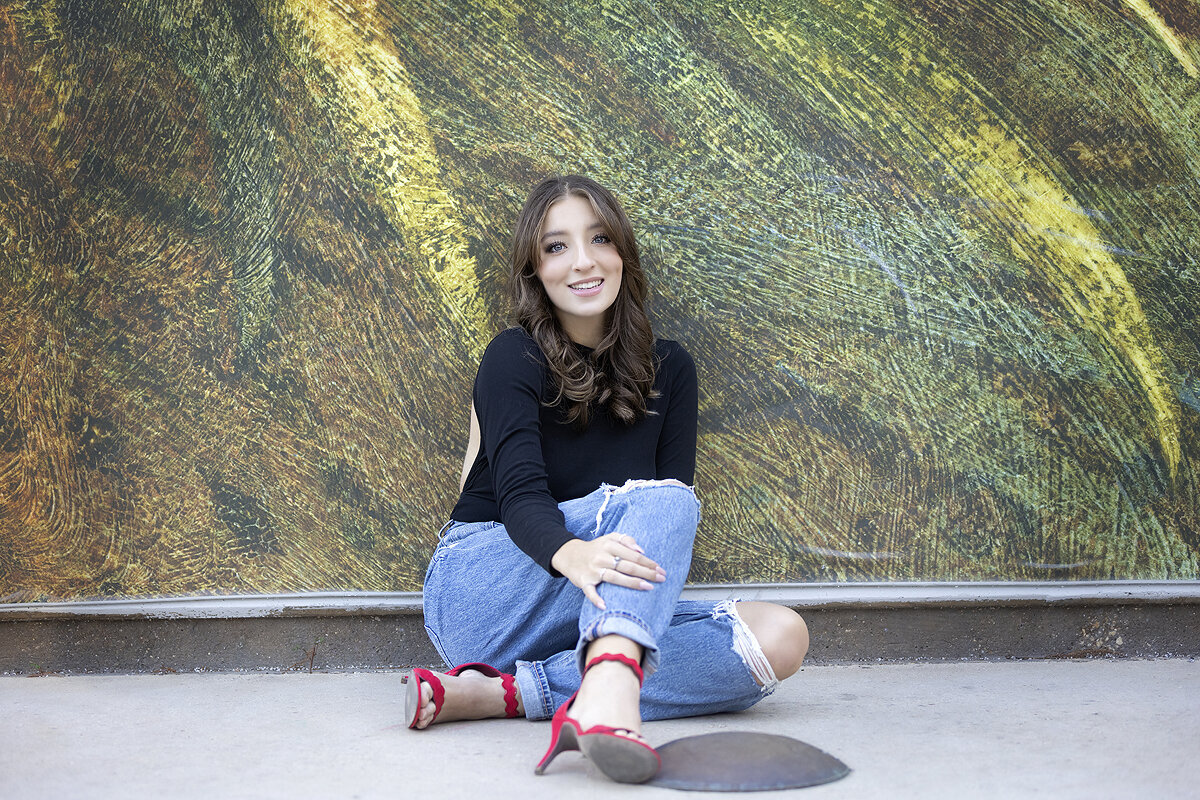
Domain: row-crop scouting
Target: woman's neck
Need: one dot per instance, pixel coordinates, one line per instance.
(584, 332)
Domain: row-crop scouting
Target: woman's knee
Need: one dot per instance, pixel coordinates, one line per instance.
(667, 506)
(665, 492)
(672, 496)
(781, 633)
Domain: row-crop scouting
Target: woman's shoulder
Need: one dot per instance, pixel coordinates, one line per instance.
(514, 342)
(670, 350)
(673, 359)
(513, 350)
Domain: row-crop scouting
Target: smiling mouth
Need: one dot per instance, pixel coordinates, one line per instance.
(581, 287)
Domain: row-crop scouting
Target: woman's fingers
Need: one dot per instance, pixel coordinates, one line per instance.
(628, 541)
(647, 573)
(622, 579)
(630, 559)
(615, 558)
(589, 591)
(621, 562)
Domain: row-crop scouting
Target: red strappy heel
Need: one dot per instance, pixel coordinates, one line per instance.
(618, 756)
(412, 695)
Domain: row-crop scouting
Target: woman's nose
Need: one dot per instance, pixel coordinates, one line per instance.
(583, 258)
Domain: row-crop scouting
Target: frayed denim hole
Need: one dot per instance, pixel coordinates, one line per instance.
(649, 483)
(609, 491)
(643, 483)
(640, 484)
(746, 645)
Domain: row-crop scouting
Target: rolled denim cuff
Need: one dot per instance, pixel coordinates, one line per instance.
(616, 622)
(535, 690)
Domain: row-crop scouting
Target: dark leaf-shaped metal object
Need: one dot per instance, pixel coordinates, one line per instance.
(744, 762)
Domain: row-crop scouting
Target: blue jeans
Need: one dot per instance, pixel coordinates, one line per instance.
(485, 600)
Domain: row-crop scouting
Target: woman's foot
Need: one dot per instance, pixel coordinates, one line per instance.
(468, 695)
(606, 729)
(610, 693)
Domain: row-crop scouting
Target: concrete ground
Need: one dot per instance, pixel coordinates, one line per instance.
(1062, 729)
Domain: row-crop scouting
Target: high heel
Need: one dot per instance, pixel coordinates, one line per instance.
(620, 757)
(412, 695)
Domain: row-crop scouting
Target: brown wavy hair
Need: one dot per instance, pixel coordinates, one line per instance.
(620, 372)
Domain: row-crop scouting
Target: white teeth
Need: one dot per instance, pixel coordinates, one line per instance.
(587, 285)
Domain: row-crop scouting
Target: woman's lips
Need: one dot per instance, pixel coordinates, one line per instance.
(587, 288)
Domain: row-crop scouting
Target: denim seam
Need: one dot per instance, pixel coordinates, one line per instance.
(437, 644)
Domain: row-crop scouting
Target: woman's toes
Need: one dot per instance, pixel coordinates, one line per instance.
(425, 716)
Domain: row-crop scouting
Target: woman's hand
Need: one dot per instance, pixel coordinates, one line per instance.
(614, 558)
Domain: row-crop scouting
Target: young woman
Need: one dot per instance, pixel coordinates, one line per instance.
(566, 553)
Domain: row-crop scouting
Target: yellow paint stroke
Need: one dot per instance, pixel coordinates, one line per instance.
(1049, 229)
(1152, 18)
(383, 121)
(1075, 259)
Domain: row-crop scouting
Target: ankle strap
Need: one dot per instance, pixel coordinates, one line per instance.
(626, 660)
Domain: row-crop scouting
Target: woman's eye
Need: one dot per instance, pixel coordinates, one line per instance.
(555, 247)
(601, 238)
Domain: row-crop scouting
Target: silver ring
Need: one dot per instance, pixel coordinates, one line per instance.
(616, 563)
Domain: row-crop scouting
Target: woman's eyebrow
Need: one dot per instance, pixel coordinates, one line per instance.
(548, 234)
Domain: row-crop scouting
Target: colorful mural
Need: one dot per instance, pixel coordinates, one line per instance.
(935, 260)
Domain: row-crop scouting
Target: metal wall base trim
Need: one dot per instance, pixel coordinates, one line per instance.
(793, 595)
(848, 623)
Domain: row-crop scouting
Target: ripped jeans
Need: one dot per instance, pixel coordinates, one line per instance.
(485, 600)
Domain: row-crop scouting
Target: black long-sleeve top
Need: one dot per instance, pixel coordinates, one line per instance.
(530, 459)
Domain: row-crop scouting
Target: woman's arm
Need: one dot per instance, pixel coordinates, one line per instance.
(507, 401)
(676, 453)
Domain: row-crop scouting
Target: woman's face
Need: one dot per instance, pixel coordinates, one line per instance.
(579, 267)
